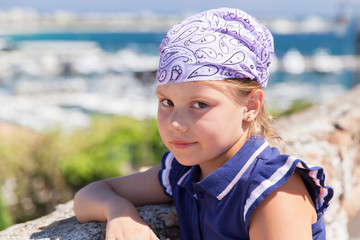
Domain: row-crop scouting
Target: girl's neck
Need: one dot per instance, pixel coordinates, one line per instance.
(206, 168)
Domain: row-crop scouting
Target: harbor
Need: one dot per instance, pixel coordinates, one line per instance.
(77, 104)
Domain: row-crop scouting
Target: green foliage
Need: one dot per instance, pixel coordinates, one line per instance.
(30, 174)
(43, 169)
(5, 218)
(111, 147)
(296, 106)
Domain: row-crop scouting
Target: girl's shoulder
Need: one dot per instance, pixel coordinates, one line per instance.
(278, 209)
(272, 171)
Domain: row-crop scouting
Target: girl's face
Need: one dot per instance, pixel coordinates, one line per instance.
(201, 123)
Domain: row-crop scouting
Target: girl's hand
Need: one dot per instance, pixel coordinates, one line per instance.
(125, 228)
(114, 200)
(125, 223)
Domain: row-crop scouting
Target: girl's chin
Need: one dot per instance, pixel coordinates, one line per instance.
(184, 160)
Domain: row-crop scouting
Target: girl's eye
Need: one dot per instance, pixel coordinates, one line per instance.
(200, 105)
(167, 103)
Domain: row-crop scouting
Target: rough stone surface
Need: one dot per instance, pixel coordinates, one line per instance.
(62, 225)
(329, 135)
(326, 135)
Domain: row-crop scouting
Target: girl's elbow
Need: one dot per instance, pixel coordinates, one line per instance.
(88, 201)
(77, 208)
(81, 213)
(80, 218)
(80, 202)
(79, 197)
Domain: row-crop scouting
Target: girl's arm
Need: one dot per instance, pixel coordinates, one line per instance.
(114, 200)
(287, 213)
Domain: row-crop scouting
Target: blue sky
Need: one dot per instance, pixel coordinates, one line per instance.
(285, 8)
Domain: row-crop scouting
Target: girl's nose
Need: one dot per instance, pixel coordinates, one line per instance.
(177, 127)
(177, 124)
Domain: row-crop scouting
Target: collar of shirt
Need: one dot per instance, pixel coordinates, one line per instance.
(221, 181)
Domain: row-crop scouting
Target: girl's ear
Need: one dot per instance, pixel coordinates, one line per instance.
(254, 104)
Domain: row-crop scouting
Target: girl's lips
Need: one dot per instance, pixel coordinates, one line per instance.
(182, 144)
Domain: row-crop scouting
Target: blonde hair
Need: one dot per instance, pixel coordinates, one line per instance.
(262, 123)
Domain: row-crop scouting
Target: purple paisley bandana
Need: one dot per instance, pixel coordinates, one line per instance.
(216, 45)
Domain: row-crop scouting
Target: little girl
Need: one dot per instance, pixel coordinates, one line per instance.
(223, 170)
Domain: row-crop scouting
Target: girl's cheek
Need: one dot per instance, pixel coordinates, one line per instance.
(160, 117)
(162, 125)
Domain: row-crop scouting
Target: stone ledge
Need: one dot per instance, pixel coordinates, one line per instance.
(62, 225)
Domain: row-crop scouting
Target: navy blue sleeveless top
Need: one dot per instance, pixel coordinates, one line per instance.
(220, 206)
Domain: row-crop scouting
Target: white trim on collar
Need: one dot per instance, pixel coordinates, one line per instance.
(242, 171)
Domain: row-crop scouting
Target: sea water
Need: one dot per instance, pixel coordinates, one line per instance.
(147, 43)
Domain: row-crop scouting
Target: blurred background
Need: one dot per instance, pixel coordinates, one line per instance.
(77, 99)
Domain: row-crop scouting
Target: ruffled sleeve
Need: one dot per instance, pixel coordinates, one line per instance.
(269, 174)
(314, 178)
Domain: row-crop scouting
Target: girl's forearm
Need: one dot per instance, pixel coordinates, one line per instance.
(98, 202)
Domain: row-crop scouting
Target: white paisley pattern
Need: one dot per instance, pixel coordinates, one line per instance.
(216, 45)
